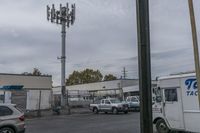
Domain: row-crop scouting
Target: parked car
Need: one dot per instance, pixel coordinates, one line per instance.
(109, 105)
(11, 119)
(133, 102)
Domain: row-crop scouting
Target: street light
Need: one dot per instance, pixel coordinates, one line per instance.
(64, 17)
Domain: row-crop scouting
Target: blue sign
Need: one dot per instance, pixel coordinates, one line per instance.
(11, 87)
(192, 89)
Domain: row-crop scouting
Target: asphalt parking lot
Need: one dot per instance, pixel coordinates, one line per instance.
(86, 123)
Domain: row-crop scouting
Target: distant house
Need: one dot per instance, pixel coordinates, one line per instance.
(33, 89)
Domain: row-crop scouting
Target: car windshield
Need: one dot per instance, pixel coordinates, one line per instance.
(115, 101)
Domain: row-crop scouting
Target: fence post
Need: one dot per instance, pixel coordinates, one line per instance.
(68, 106)
(78, 95)
(93, 97)
(4, 93)
(39, 105)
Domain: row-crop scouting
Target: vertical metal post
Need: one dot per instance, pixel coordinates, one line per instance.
(93, 97)
(144, 64)
(68, 107)
(63, 86)
(39, 104)
(195, 45)
(79, 96)
(4, 96)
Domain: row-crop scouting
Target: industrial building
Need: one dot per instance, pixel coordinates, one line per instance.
(114, 88)
(28, 92)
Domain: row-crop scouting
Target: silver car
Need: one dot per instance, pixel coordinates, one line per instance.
(11, 119)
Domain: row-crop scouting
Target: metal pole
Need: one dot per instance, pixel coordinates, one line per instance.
(4, 96)
(93, 97)
(63, 96)
(68, 107)
(195, 45)
(144, 64)
(39, 104)
(65, 17)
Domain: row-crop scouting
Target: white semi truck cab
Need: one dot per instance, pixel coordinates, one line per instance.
(176, 105)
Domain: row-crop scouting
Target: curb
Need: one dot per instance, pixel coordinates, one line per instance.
(61, 115)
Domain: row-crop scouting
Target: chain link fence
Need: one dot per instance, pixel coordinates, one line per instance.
(81, 99)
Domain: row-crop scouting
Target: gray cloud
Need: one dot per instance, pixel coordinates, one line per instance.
(104, 37)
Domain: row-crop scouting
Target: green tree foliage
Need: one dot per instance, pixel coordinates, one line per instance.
(36, 72)
(74, 78)
(109, 77)
(85, 76)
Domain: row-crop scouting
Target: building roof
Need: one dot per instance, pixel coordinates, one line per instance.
(28, 81)
(25, 75)
(177, 76)
(101, 82)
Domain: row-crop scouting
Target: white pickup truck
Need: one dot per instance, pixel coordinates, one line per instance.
(109, 105)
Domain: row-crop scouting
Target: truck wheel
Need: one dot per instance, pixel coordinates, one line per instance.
(115, 111)
(95, 110)
(162, 127)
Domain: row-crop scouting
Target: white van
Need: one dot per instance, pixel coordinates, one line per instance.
(176, 105)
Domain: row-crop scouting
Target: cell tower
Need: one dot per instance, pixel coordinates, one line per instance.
(64, 17)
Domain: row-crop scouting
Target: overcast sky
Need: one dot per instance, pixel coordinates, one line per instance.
(104, 37)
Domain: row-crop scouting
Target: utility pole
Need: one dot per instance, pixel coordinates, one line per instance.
(64, 17)
(124, 73)
(195, 45)
(144, 61)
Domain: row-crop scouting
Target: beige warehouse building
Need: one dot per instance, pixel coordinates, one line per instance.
(98, 89)
(35, 91)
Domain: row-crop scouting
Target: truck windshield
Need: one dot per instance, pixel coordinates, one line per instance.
(157, 95)
(115, 101)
